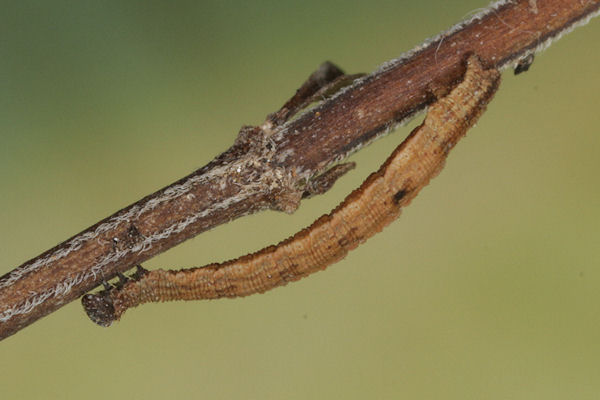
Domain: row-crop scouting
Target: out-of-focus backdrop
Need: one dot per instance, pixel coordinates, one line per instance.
(488, 286)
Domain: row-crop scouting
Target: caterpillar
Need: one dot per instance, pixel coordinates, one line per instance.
(363, 213)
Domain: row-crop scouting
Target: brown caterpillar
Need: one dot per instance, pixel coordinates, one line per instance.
(366, 211)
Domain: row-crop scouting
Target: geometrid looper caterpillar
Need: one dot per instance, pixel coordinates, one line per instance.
(366, 211)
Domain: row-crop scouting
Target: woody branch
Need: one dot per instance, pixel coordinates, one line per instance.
(273, 165)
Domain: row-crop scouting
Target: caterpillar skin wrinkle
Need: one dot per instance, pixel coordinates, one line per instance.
(366, 211)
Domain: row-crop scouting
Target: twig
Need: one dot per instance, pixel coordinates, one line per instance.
(270, 166)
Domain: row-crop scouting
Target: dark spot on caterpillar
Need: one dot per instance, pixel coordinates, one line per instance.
(344, 242)
(524, 64)
(400, 195)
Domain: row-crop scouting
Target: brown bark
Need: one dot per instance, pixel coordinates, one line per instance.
(269, 166)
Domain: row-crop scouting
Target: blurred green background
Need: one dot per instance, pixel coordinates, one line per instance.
(487, 286)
